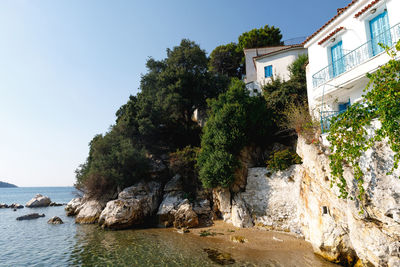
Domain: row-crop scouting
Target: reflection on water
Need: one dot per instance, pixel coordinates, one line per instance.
(164, 247)
(150, 247)
(36, 243)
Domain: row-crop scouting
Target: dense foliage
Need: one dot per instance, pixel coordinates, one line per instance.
(229, 59)
(235, 120)
(280, 94)
(184, 162)
(265, 36)
(283, 159)
(226, 60)
(158, 120)
(348, 131)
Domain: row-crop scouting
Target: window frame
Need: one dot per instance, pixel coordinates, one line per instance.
(268, 71)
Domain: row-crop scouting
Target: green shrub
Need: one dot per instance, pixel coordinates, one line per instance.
(114, 162)
(235, 120)
(281, 160)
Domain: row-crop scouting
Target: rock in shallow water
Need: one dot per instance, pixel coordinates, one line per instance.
(55, 220)
(30, 216)
(134, 206)
(72, 207)
(38, 201)
(16, 206)
(185, 216)
(54, 204)
(89, 212)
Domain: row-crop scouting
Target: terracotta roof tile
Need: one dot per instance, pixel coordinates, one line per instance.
(330, 35)
(340, 11)
(362, 11)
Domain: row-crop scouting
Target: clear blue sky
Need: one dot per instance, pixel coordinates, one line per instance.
(67, 65)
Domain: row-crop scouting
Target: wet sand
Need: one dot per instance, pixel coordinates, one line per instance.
(262, 247)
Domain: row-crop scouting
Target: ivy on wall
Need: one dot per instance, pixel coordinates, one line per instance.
(348, 134)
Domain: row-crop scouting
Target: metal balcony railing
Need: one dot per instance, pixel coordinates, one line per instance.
(357, 56)
(326, 117)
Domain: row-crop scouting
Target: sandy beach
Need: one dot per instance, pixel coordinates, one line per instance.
(260, 246)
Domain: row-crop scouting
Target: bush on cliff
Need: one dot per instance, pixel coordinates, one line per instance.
(280, 94)
(283, 159)
(235, 120)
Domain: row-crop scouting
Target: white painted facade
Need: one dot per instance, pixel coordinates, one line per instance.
(279, 57)
(327, 89)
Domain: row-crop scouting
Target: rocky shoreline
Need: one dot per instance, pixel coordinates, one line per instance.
(299, 201)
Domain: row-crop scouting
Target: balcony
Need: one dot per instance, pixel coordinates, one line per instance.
(357, 56)
(326, 117)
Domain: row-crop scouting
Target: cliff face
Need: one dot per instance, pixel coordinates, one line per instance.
(336, 228)
(301, 200)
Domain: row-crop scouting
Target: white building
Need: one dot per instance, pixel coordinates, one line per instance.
(343, 50)
(267, 63)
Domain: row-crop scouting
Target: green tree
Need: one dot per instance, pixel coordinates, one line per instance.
(114, 162)
(156, 121)
(235, 120)
(266, 36)
(226, 60)
(161, 114)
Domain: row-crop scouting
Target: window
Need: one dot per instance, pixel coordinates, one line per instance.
(343, 106)
(268, 71)
(380, 32)
(338, 66)
(324, 210)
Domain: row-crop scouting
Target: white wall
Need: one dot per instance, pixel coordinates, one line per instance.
(355, 34)
(251, 75)
(280, 63)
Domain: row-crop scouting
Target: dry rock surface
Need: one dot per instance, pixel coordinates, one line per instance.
(73, 206)
(89, 211)
(185, 216)
(173, 196)
(134, 206)
(38, 201)
(301, 200)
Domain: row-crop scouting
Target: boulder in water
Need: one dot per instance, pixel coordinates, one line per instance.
(38, 201)
(54, 204)
(55, 220)
(134, 206)
(30, 216)
(89, 211)
(3, 206)
(16, 206)
(185, 216)
(73, 206)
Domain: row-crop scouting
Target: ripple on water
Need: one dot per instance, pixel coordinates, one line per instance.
(36, 243)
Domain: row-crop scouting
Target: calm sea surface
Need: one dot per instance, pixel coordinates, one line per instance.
(36, 243)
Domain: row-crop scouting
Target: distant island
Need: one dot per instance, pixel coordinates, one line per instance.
(4, 184)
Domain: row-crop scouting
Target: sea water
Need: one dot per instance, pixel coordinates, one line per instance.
(37, 243)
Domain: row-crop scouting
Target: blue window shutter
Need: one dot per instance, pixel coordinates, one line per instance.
(338, 65)
(380, 32)
(268, 71)
(343, 106)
